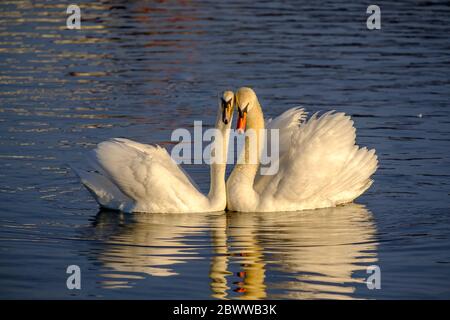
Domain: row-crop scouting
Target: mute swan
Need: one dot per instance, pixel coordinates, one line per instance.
(135, 177)
(319, 164)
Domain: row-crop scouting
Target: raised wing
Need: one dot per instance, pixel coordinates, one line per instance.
(322, 165)
(147, 175)
(287, 124)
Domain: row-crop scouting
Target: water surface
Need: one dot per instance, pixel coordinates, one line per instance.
(141, 69)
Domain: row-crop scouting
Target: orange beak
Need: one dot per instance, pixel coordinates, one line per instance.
(241, 122)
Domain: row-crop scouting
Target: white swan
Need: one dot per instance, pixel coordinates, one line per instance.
(134, 177)
(319, 163)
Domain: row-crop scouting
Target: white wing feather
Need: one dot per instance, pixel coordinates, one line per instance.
(104, 191)
(287, 124)
(320, 165)
(147, 175)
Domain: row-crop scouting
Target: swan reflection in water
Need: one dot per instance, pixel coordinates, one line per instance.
(137, 245)
(286, 255)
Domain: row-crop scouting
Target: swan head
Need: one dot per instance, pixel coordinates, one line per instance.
(227, 106)
(245, 101)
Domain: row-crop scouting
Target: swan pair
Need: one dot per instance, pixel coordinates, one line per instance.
(319, 166)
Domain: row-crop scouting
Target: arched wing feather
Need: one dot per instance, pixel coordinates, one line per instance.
(321, 166)
(148, 175)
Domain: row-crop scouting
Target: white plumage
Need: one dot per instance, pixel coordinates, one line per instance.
(135, 177)
(319, 163)
(143, 177)
(319, 166)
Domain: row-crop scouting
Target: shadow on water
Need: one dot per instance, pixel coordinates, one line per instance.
(296, 255)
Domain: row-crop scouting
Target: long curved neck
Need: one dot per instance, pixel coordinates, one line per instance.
(217, 190)
(243, 176)
(248, 164)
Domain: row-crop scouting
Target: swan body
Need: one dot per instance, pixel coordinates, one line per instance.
(319, 164)
(135, 177)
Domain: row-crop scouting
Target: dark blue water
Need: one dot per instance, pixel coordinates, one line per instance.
(141, 69)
